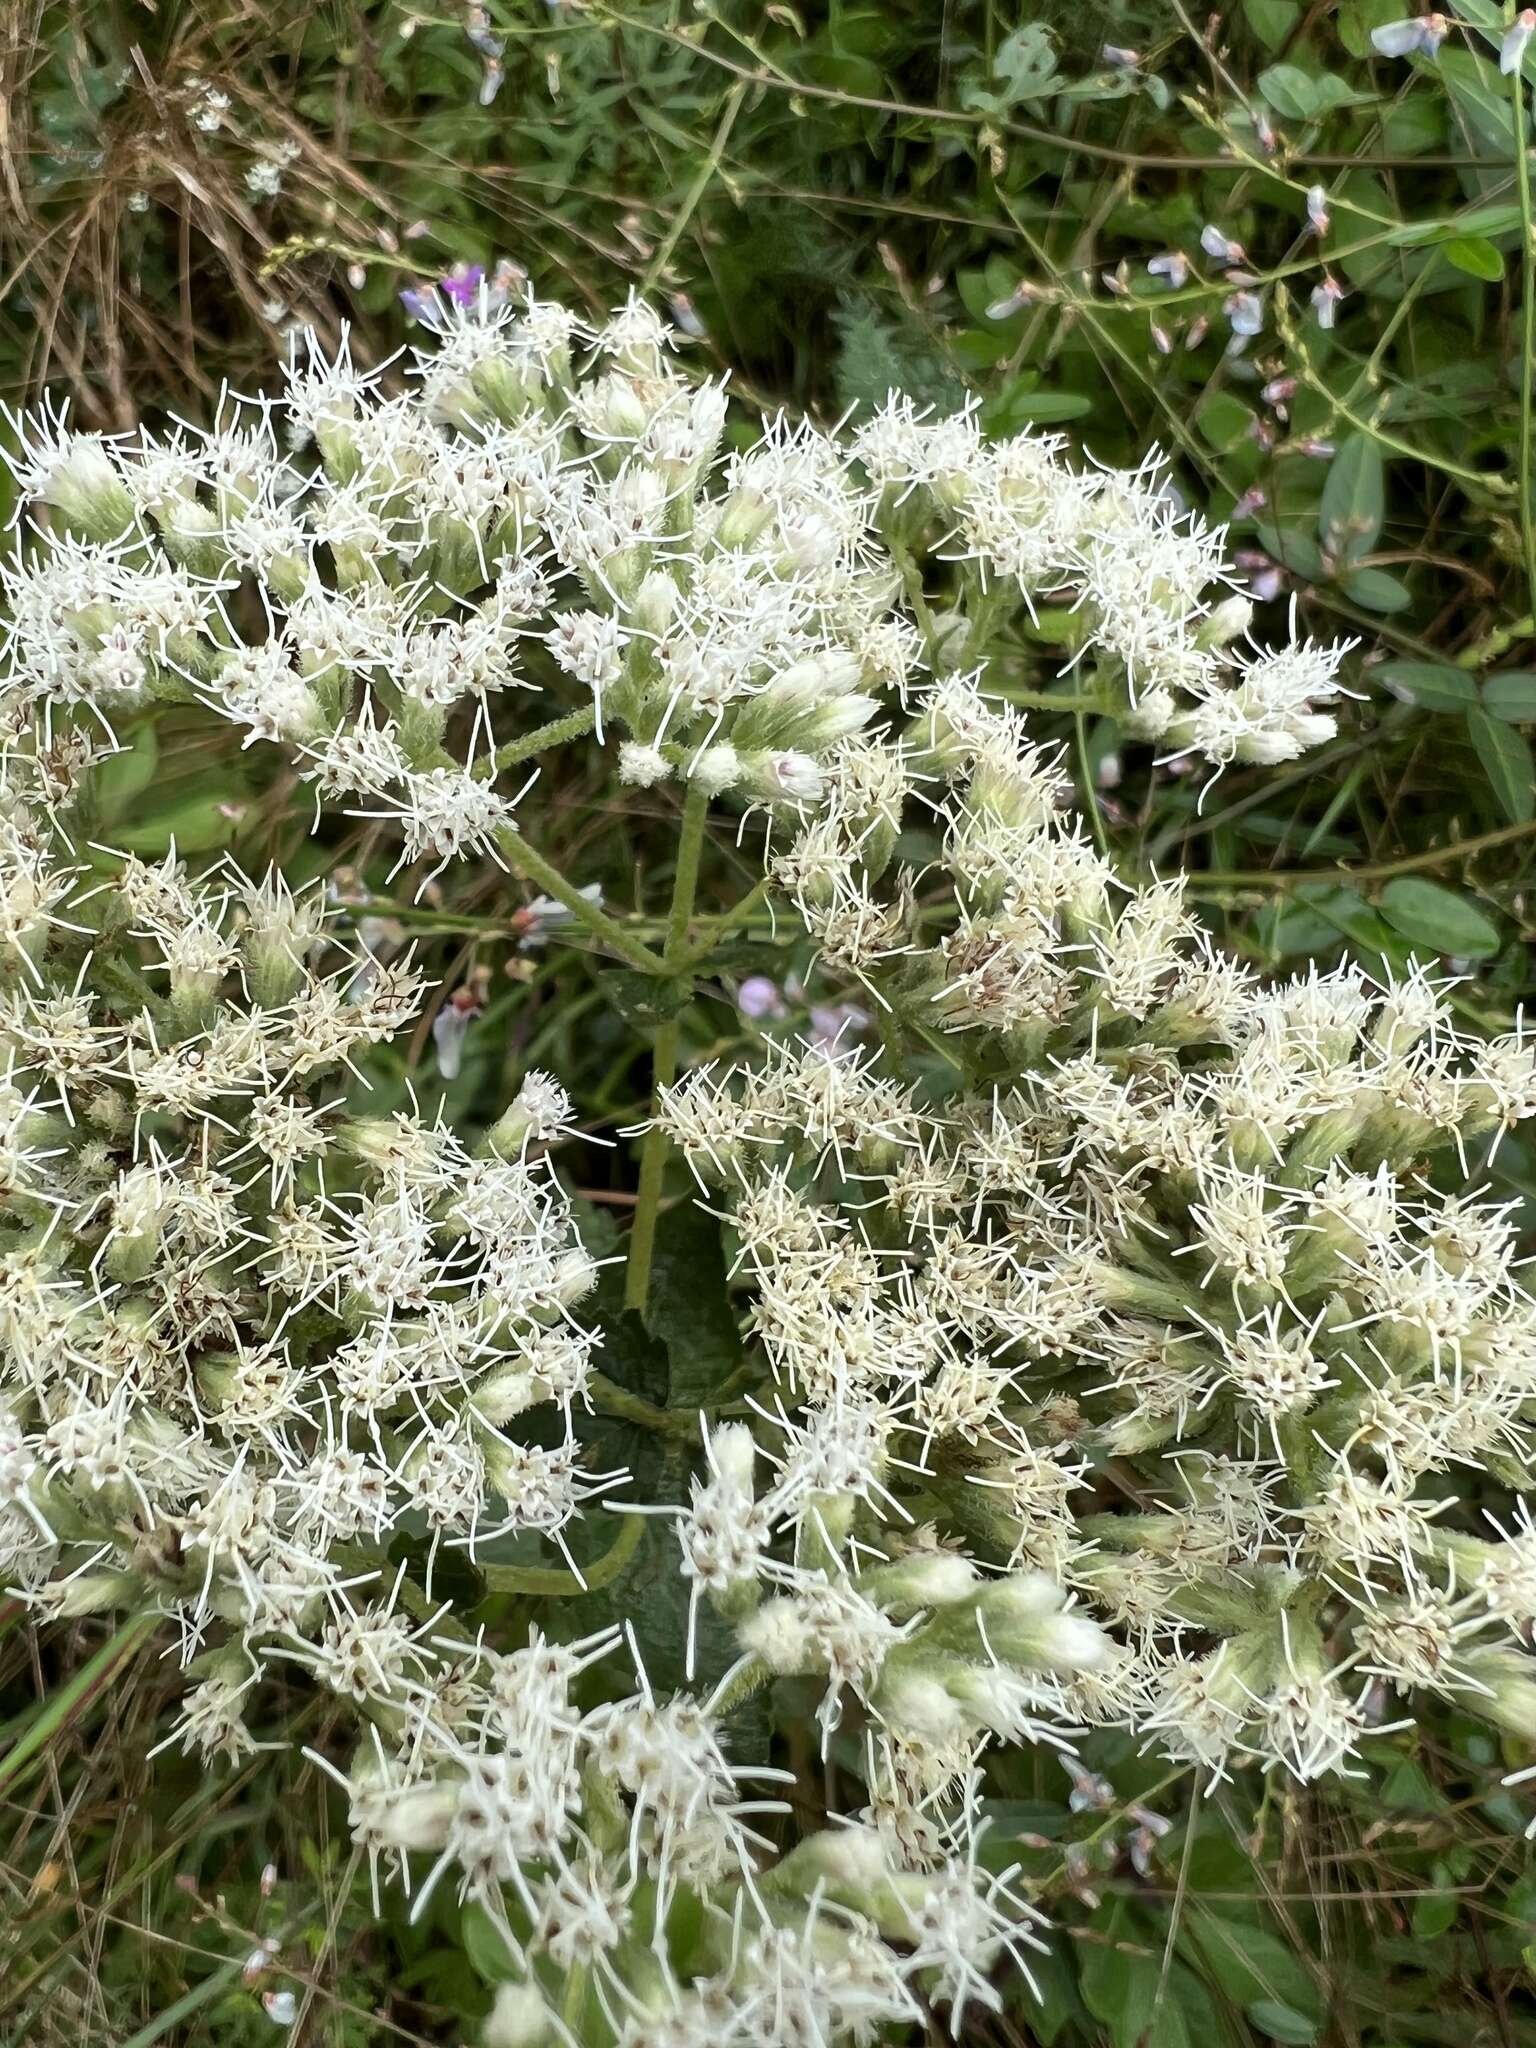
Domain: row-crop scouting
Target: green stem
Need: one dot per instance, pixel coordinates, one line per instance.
(61, 1705)
(535, 868)
(656, 268)
(1377, 871)
(727, 922)
(1527, 327)
(554, 734)
(1090, 799)
(540, 1582)
(751, 1678)
(612, 1399)
(664, 1057)
(1042, 700)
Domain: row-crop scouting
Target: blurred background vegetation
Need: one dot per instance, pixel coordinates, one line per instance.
(1240, 235)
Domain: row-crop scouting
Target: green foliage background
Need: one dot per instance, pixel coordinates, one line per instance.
(844, 199)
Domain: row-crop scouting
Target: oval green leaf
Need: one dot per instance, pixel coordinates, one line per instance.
(1512, 697)
(1506, 761)
(1429, 914)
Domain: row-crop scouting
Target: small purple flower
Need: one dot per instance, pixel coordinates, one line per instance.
(462, 283)
(450, 1028)
(759, 998)
(1219, 246)
(834, 1023)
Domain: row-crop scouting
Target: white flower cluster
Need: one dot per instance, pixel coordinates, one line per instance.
(245, 1329)
(1137, 569)
(248, 1336)
(579, 1829)
(1149, 1287)
(512, 523)
(1123, 1363)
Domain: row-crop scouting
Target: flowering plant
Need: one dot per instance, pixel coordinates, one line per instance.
(1113, 1345)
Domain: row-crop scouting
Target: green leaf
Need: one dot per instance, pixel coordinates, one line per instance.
(1290, 91)
(1476, 257)
(1432, 685)
(1375, 591)
(1480, 98)
(1282, 2022)
(196, 826)
(1511, 696)
(1306, 96)
(486, 1945)
(1477, 221)
(1293, 550)
(1432, 915)
(1253, 1966)
(690, 1307)
(1272, 21)
(117, 780)
(1223, 419)
(1020, 404)
(641, 999)
(1506, 758)
(1434, 1913)
(1118, 1987)
(1354, 500)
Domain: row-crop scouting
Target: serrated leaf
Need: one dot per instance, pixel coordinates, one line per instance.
(1506, 760)
(689, 1307)
(1432, 685)
(642, 999)
(1429, 914)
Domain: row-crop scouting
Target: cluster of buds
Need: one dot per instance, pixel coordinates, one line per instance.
(544, 512)
(248, 1329)
(1124, 1348)
(1148, 1286)
(1150, 641)
(635, 1894)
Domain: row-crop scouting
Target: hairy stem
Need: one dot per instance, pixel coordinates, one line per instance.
(535, 868)
(653, 1154)
(554, 734)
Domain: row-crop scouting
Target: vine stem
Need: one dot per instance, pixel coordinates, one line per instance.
(1377, 871)
(1527, 325)
(653, 1153)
